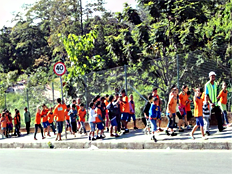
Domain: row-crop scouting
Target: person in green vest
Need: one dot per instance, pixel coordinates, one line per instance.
(211, 96)
(27, 119)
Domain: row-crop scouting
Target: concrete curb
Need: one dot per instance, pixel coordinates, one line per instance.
(123, 145)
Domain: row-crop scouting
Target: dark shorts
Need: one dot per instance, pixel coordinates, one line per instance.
(189, 115)
(68, 123)
(100, 126)
(125, 116)
(131, 116)
(113, 122)
(10, 126)
(74, 126)
(59, 126)
(199, 121)
(179, 115)
(46, 124)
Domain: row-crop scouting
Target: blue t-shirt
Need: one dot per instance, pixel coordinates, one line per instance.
(73, 115)
(154, 111)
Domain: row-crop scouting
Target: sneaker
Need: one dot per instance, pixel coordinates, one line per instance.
(112, 135)
(107, 130)
(161, 130)
(135, 128)
(122, 128)
(207, 132)
(116, 135)
(173, 134)
(192, 137)
(101, 137)
(167, 132)
(204, 138)
(127, 130)
(153, 138)
(188, 127)
(89, 138)
(97, 137)
(93, 139)
(181, 130)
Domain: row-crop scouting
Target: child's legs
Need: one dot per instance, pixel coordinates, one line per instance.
(225, 117)
(153, 126)
(107, 120)
(53, 128)
(83, 126)
(134, 119)
(206, 124)
(41, 129)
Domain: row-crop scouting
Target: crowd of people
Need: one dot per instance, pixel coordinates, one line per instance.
(112, 114)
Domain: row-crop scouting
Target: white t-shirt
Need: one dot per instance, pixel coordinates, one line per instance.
(92, 115)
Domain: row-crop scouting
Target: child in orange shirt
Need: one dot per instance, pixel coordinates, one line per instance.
(45, 122)
(82, 114)
(59, 112)
(38, 123)
(171, 112)
(50, 120)
(99, 120)
(17, 123)
(3, 123)
(67, 119)
(222, 103)
(198, 113)
(188, 110)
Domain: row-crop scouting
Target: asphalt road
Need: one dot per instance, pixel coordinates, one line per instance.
(33, 161)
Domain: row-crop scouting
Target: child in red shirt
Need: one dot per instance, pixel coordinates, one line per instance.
(82, 114)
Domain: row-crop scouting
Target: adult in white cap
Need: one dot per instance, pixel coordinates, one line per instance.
(211, 96)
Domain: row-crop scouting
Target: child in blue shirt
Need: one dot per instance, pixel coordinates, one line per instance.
(73, 117)
(154, 113)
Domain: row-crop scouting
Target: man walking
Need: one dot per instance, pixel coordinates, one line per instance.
(211, 96)
(27, 119)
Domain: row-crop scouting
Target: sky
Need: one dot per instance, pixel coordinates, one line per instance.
(8, 7)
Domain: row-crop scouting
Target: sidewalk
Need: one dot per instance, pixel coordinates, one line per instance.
(134, 140)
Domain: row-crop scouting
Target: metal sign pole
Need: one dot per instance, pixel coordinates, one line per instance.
(62, 98)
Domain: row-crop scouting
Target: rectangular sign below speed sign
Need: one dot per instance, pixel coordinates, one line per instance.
(59, 68)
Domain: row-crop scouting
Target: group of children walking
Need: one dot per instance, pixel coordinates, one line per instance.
(179, 107)
(112, 114)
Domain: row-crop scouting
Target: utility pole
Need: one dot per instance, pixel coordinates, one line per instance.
(82, 30)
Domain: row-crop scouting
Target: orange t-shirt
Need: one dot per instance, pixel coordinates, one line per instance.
(37, 118)
(44, 113)
(3, 122)
(121, 106)
(182, 99)
(82, 115)
(98, 112)
(59, 111)
(16, 119)
(126, 105)
(172, 105)
(188, 107)
(66, 115)
(223, 97)
(198, 107)
(106, 103)
(50, 117)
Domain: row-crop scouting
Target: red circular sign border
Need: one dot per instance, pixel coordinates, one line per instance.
(64, 68)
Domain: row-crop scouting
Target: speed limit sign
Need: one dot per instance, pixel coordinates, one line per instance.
(59, 68)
